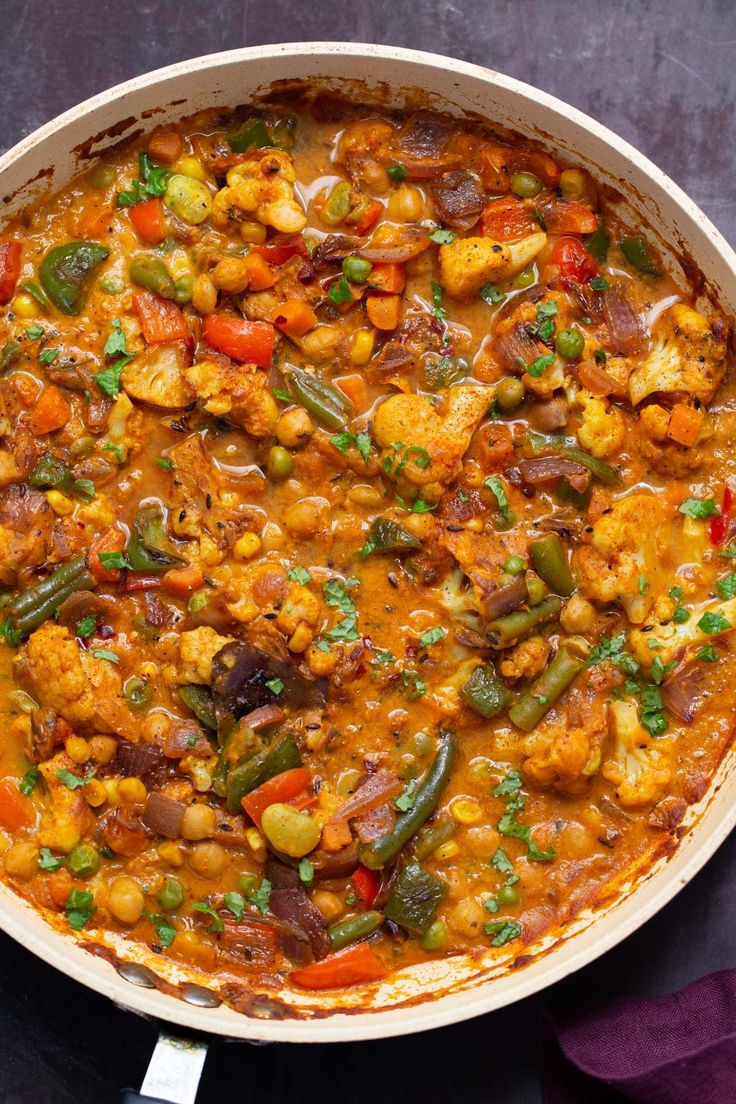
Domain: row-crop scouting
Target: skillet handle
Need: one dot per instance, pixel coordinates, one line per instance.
(173, 1073)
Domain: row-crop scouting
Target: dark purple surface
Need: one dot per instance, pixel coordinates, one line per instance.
(661, 74)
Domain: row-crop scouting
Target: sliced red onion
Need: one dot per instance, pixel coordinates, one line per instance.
(547, 469)
(163, 815)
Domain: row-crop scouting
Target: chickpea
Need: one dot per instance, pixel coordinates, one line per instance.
(420, 526)
(204, 295)
(199, 822)
(575, 840)
(294, 428)
(155, 728)
(406, 204)
(21, 860)
(78, 749)
(321, 343)
(365, 495)
(307, 516)
(329, 904)
(468, 917)
(271, 538)
(231, 274)
(103, 749)
(207, 859)
(577, 614)
(126, 900)
(375, 177)
(482, 841)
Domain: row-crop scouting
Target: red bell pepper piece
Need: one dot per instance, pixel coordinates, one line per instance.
(279, 250)
(574, 262)
(281, 789)
(148, 220)
(250, 342)
(718, 526)
(507, 219)
(366, 885)
(10, 252)
(161, 319)
(16, 811)
(348, 967)
(133, 583)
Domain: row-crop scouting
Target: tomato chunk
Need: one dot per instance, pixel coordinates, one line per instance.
(250, 342)
(574, 262)
(161, 319)
(10, 253)
(507, 219)
(16, 811)
(279, 250)
(348, 967)
(367, 884)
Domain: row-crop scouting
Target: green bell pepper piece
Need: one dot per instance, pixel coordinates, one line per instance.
(64, 270)
(282, 755)
(416, 898)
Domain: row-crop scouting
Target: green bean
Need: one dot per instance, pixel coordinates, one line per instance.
(43, 610)
(199, 700)
(59, 578)
(604, 473)
(485, 693)
(517, 626)
(376, 854)
(433, 836)
(183, 288)
(328, 405)
(542, 695)
(354, 928)
(550, 563)
(150, 272)
(416, 898)
(9, 353)
(282, 755)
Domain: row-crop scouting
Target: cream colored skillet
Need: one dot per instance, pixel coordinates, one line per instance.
(438, 993)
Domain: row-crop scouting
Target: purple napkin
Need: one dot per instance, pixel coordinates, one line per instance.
(675, 1049)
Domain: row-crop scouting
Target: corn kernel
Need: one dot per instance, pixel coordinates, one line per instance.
(148, 669)
(78, 749)
(361, 349)
(446, 851)
(466, 811)
(301, 638)
(94, 793)
(247, 546)
(59, 503)
(321, 663)
(171, 852)
(253, 232)
(132, 790)
(256, 843)
(316, 740)
(111, 791)
(475, 525)
(25, 306)
(190, 166)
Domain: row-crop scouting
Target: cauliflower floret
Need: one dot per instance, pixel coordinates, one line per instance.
(299, 606)
(640, 765)
(262, 187)
(71, 681)
(155, 376)
(673, 639)
(423, 433)
(69, 817)
(260, 588)
(689, 355)
(197, 649)
(124, 429)
(664, 455)
(527, 659)
(9, 470)
(468, 263)
(237, 392)
(625, 544)
(563, 757)
(602, 429)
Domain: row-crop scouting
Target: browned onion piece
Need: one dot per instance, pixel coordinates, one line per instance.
(329, 865)
(403, 245)
(498, 601)
(394, 357)
(163, 815)
(590, 300)
(625, 324)
(185, 738)
(549, 415)
(379, 822)
(424, 135)
(516, 348)
(334, 248)
(685, 692)
(596, 379)
(459, 198)
(81, 605)
(546, 469)
(263, 716)
(295, 907)
(137, 760)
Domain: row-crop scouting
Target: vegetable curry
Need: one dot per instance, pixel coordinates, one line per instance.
(364, 546)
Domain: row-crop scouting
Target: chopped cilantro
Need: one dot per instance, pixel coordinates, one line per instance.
(727, 586)
(432, 636)
(86, 627)
(275, 685)
(34, 332)
(217, 924)
(279, 393)
(47, 861)
(48, 356)
(503, 931)
(501, 862)
(713, 622)
(413, 685)
(85, 488)
(442, 237)
(112, 561)
(601, 356)
(103, 653)
(166, 463)
(299, 575)
(538, 366)
(340, 291)
(491, 294)
(306, 872)
(598, 283)
(708, 654)
(152, 182)
(29, 780)
(261, 896)
(165, 930)
(397, 172)
(71, 781)
(699, 508)
(346, 629)
(407, 797)
(79, 908)
(235, 903)
(497, 489)
(337, 597)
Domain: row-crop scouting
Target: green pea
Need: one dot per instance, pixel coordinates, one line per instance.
(83, 860)
(112, 285)
(524, 279)
(569, 344)
(136, 692)
(514, 565)
(510, 393)
(356, 269)
(150, 272)
(526, 185)
(171, 896)
(508, 895)
(198, 601)
(422, 743)
(102, 176)
(280, 463)
(248, 883)
(535, 588)
(435, 936)
(183, 287)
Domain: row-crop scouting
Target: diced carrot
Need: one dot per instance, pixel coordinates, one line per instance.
(384, 311)
(349, 967)
(372, 210)
(16, 810)
(507, 219)
(113, 540)
(94, 220)
(355, 389)
(59, 885)
(260, 273)
(10, 254)
(295, 318)
(562, 217)
(248, 342)
(149, 222)
(685, 424)
(336, 834)
(388, 277)
(279, 250)
(165, 144)
(182, 581)
(494, 172)
(161, 319)
(51, 412)
(282, 788)
(367, 884)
